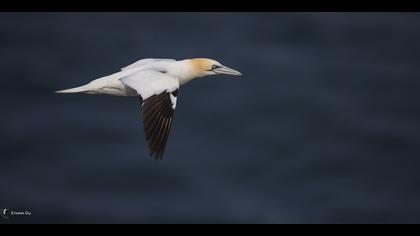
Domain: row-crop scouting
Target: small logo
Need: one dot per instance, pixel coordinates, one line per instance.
(8, 213)
(4, 214)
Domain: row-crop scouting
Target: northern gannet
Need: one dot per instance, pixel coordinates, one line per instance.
(156, 82)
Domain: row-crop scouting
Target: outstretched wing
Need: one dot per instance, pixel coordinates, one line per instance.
(158, 94)
(157, 112)
(144, 62)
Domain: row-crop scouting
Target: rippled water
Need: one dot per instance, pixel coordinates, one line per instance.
(321, 128)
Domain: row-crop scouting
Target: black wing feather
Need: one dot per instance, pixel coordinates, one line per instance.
(157, 113)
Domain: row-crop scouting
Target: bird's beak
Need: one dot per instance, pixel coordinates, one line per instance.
(227, 71)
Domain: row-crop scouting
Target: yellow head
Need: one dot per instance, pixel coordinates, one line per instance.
(204, 66)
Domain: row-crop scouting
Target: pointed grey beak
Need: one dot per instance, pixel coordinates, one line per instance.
(227, 71)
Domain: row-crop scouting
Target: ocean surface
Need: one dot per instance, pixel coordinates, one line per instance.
(323, 126)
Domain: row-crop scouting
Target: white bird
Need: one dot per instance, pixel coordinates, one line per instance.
(156, 82)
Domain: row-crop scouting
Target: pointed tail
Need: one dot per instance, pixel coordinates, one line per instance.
(80, 89)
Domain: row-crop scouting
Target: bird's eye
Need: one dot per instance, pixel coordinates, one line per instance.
(213, 67)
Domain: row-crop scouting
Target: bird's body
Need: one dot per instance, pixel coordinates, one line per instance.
(156, 82)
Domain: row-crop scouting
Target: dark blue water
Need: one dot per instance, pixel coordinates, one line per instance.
(323, 127)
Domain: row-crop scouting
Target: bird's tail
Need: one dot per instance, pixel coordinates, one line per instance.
(80, 89)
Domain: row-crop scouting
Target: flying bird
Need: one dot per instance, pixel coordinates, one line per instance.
(156, 83)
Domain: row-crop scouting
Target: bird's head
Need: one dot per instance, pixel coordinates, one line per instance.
(205, 66)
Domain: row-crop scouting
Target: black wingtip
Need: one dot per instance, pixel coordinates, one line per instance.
(155, 155)
(157, 112)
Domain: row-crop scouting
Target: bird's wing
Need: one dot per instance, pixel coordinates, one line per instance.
(158, 94)
(144, 62)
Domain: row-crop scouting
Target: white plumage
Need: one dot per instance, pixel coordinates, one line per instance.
(150, 82)
(143, 62)
(156, 82)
